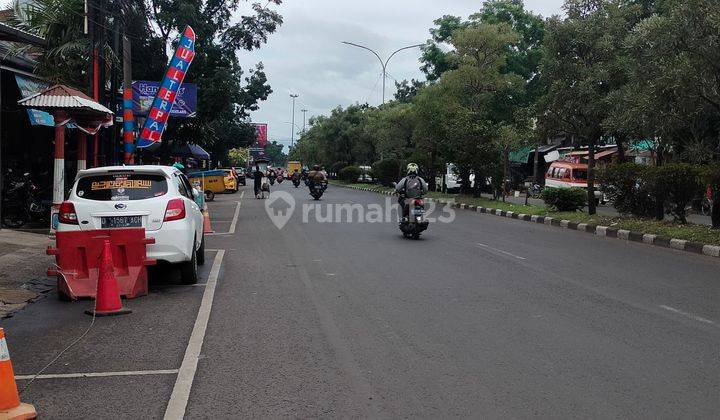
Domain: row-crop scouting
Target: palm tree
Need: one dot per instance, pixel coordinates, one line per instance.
(61, 23)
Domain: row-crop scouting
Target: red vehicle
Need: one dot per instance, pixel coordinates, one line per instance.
(568, 175)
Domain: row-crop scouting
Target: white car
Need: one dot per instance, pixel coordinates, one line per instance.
(157, 198)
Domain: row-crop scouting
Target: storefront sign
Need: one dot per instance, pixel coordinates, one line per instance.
(144, 91)
(29, 87)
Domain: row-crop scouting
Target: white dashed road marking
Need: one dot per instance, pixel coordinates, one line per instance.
(500, 251)
(98, 374)
(688, 315)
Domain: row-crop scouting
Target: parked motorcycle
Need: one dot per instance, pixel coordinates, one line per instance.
(536, 191)
(317, 189)
(413, 222)
(22, 203)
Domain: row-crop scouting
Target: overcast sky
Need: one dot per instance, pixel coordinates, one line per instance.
(305, 55)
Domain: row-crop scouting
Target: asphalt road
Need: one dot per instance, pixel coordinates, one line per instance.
(483, 317)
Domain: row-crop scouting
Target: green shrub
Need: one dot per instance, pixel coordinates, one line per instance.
(350, 173)
(386, 171)
(678, 184)
(653, 190)
(627, 187)
(564, 199)
(334, 169)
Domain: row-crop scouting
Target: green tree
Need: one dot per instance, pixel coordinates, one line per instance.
(239, 157)
(406, 91)
(582, 68)
(274, 152)
(227, 93)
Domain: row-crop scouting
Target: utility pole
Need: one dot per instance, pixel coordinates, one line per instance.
(98, 74)
(114, 78)
(92, 70)
(292, 133)
(384, 64)
(304, 111)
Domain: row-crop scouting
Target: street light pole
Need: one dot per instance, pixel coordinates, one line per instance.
(304, 111)
(384, 64)
(292, 133)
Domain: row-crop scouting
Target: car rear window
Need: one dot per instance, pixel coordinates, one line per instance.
(121, 186)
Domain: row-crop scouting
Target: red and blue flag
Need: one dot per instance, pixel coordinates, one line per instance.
(162, 104)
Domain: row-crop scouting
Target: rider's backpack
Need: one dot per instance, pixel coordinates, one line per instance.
(413, 187)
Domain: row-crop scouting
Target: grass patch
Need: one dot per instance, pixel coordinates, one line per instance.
(690, 232)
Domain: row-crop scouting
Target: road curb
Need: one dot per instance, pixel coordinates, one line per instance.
(606, 231)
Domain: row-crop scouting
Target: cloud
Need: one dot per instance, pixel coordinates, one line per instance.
(306, 55)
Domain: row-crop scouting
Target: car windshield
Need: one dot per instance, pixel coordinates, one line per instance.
(121, 186)
(580, 174)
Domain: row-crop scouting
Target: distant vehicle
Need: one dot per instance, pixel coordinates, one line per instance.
(450, 180)
(291, 167)
(365, 174)
(241, 176)
(569, 175)
(157, 198)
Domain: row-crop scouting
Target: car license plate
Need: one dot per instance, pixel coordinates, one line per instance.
(418, 212)
(120, 222)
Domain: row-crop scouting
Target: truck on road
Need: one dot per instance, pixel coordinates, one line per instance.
(292, 166)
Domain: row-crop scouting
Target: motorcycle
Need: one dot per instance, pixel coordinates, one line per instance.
(535, 191)
(22, 203)
(413, 222)
(280, 179)
(317, 189)
(272, 180)
(296, 181)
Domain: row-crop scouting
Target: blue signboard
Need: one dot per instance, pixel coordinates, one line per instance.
(29, 87)
(144, 91)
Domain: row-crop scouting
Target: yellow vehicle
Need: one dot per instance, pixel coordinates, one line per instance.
(231, 181)
(291, 167)
(212, 182)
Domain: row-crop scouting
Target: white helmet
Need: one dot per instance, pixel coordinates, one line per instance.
(412, 168)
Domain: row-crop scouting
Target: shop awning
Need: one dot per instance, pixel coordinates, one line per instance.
(190, 150)
(524, 155)
(641, 145)
(9, 33)
(520, 156)
(69, 105)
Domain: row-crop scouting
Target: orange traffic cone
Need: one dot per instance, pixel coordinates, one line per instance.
(10, 406)
(107, 297)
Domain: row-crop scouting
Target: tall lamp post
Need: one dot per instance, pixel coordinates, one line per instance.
(304, 111)
(384, 64)
(292, 133)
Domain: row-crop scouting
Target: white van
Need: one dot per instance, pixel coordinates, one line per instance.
(450, 180)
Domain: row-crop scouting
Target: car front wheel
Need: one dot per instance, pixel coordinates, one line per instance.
(189, 269)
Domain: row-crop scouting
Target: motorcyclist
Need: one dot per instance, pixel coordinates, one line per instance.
(412, 186)
(295, 176)
(316, 175)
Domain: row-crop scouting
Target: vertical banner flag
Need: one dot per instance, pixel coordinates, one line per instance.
(163, 102)
(128, 126)
(261, 133)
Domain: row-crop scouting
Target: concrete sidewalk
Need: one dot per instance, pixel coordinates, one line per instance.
(22, 269)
